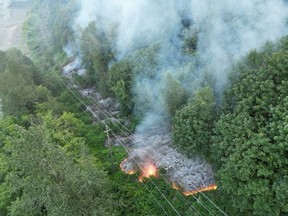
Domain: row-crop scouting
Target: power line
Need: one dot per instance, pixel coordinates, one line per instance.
(136, 163)
(76, 96)
(159, 204)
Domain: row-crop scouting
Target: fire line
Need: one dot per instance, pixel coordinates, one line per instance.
(192, 192)
(148, 169)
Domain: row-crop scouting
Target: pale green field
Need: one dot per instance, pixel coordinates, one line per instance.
(11, 22)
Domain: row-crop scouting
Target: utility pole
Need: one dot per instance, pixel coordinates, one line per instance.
(109, 142)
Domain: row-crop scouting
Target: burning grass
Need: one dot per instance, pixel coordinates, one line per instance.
(192, 192)
(148, 169)
(127, 167)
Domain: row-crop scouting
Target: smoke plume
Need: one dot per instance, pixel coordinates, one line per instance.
(225, 30)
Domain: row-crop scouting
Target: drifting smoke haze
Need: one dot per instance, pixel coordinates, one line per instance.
(226, 30)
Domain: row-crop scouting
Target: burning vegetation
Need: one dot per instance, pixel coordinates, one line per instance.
(176, 186)
(192, 192)
(190, 176)
(127, 167)
(148, 170)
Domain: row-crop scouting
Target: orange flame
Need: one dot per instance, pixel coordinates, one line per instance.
(192, 192)
(175, 186)
(129, 172)
(148, 171)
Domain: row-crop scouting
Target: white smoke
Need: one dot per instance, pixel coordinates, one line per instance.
(138, 22)
(226, 31)
(229, 29)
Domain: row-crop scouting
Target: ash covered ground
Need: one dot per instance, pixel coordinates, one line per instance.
(189, 174)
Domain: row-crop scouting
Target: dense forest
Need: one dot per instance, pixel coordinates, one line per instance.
(53, 154)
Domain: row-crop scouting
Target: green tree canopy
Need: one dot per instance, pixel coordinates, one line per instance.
(46, 176)
(96, 54)
(175, 95)
(192, 126)
(18, 79)
(248, 141)
(120, 82)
